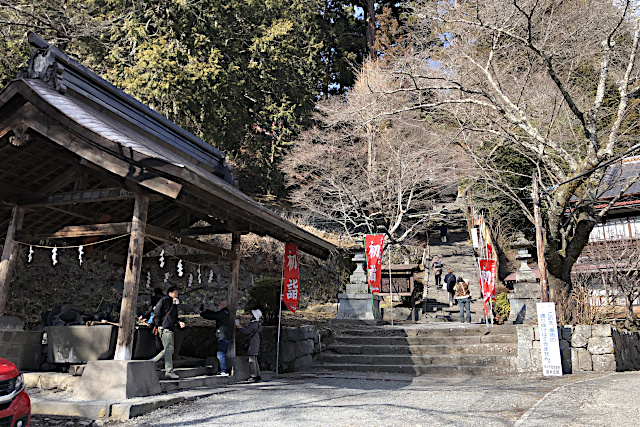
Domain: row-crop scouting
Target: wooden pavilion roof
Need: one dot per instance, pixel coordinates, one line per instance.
(74, 149)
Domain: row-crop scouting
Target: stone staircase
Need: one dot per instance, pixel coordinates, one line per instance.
(192, 373)
(458, 255)
(434, 349)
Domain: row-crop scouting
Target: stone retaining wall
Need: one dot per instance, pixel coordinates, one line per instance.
(23, 348)
(299, 347)
(597, 348)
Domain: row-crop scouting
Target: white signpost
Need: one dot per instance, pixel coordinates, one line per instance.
(549, 342)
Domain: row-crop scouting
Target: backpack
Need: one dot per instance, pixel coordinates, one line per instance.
(437, 264)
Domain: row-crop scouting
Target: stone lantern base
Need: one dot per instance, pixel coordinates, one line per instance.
(523, 301)
(359, 306)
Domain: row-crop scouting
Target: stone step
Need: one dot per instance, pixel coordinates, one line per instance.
(431, 370)
(186, 372)
(502, 349)
(444, 331)
(423, 340)
(194, 382)
(412, 360)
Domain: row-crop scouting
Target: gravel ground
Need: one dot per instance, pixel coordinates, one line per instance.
(46, 420)
(323, 401)
(355, 400)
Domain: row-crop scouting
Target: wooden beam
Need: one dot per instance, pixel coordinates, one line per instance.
(79, 212)
(89, 196)
(232, 296)
(9, 255)
(124, 346)
(60, 181)
(76, 231)
(178, 239)
(211, 229)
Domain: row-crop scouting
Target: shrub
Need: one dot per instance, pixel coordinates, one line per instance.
(265, 296)
(502, 308)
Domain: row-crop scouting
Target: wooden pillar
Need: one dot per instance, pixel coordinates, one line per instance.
(124, 347)
(9, 254)
(232, 298)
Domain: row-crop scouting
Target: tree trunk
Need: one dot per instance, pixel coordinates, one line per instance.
(370, 13)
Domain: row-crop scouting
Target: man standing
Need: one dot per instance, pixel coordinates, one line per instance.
(436, 265)
(165, 317)
(223, 332)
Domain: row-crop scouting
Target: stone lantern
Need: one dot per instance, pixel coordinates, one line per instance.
(357, 303)
(526, 290)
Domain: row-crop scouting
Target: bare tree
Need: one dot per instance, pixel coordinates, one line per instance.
(370, 175)
(612, 269)
(552, 82)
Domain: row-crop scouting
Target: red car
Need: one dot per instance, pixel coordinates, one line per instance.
(15, 405)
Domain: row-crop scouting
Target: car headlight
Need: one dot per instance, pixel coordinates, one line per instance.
(18, 384)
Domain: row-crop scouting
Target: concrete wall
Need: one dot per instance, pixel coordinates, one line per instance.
(597, 348)
(23, 348)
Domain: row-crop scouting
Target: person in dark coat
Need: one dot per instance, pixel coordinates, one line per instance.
(436, 265)
(450, 280)
(148, 315)
(252, 332)
(165, 317)
(224, 332)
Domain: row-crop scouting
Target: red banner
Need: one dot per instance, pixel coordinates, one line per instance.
(291, 277)
(488, 281)
(489, 251)
(373, 245)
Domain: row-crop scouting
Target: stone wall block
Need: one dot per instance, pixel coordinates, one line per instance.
(525, 333)
(604, 363)
(291, 334)
(564, 344)
(307, 332)
(302, 363)
(289, 351)
(601, 330)
(601, 345)
(536, 359)
(567, 366)
(584, 360)
(579, 340)
(566, 332)
(304, 348)
(524, 359)
(584, 330)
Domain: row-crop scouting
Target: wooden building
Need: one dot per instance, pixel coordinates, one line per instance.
(80, 158)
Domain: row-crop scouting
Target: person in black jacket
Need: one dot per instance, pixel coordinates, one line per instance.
(165, 317)
(450, 280)
(252, 332)
(223, 332)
